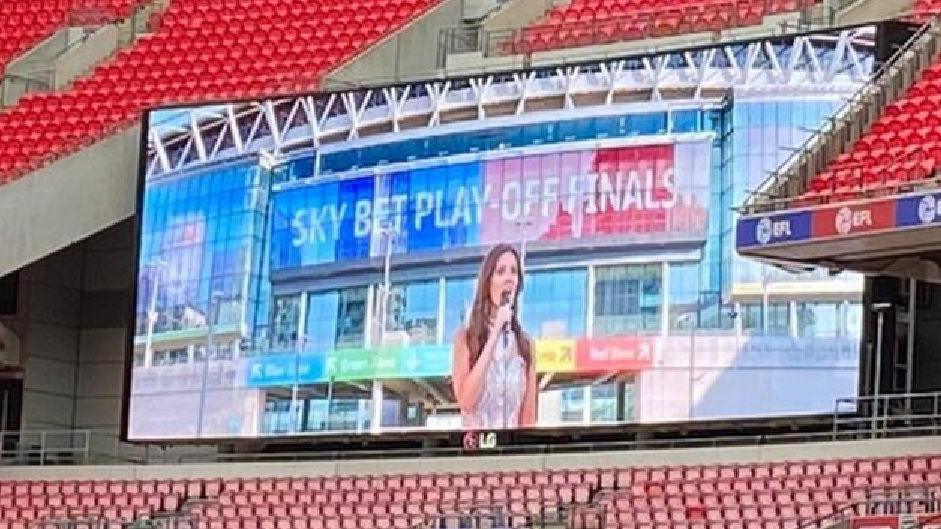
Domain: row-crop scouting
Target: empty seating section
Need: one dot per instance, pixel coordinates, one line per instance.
(783, 495)
(25, 23)
(202, 50)
(589, 22)
(925, 9)
(774, 496)
(22, 503)
(902, 148)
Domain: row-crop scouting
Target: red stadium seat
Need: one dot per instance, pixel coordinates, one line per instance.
(588, 22)
(193, 56)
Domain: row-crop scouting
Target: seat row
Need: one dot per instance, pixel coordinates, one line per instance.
(836, 473)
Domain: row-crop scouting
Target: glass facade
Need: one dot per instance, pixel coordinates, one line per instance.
(200, 240)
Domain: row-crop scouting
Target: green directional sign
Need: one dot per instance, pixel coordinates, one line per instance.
(407, 362)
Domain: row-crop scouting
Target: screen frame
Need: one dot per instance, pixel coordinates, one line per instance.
(567, 433)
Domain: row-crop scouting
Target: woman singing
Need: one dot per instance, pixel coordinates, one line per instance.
(494, 375)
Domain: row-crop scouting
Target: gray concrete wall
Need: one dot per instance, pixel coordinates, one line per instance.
(58, 61)
(72, 321)
(412, 53)
(518, 13)
(873, 10)
(68, 200)
(80, 59)
(477, 9)
(107, 282)
(49, 315)
(756, 454)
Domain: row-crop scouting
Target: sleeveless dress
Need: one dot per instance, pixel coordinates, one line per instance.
(502, 395)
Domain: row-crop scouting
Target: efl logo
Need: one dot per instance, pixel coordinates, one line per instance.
(847, 219)
(927, 209)
(768, 230)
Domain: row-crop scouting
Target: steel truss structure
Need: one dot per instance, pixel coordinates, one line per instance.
(182, 139)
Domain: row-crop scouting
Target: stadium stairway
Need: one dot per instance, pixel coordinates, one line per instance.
(24, 24)
(786, 494)
(82, 39)
(80, 146)
(885, 140)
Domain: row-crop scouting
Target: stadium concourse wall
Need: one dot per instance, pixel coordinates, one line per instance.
(482, 463)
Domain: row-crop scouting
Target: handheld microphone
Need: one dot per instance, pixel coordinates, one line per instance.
(505, 300)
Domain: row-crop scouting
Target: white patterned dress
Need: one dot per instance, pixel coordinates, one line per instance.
(502, 395)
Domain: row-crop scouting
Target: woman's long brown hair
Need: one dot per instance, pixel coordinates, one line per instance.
(479, 325)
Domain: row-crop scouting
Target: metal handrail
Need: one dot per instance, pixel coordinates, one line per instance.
(764, 197)
(38, 447)
(857, 424)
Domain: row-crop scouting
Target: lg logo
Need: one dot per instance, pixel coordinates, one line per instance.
(480, 440)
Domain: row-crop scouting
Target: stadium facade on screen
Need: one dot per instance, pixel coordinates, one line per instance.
(304, 282)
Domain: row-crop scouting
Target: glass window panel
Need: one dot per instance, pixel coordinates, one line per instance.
(554, 303)
(817, 320)
(413, 314)
(336, 319)
(752, 317)
(627, 299)
(604, 402)
(854, 320)
(779, 318)
(684, 294)
(458, 298)
(284, 324)
(572, 402)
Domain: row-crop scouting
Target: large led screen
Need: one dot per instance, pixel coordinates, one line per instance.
(557, 271)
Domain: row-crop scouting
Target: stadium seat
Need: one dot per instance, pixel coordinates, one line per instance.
(748, 496)
(200, 51)
(899, 151)
(590, 22)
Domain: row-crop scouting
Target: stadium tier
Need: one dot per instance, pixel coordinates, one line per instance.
(783, 495)
(925, 9)
(903, 147)
(201, 51)
(24, 24)
(590, 22)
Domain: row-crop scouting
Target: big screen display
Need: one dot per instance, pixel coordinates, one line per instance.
(567, 282)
